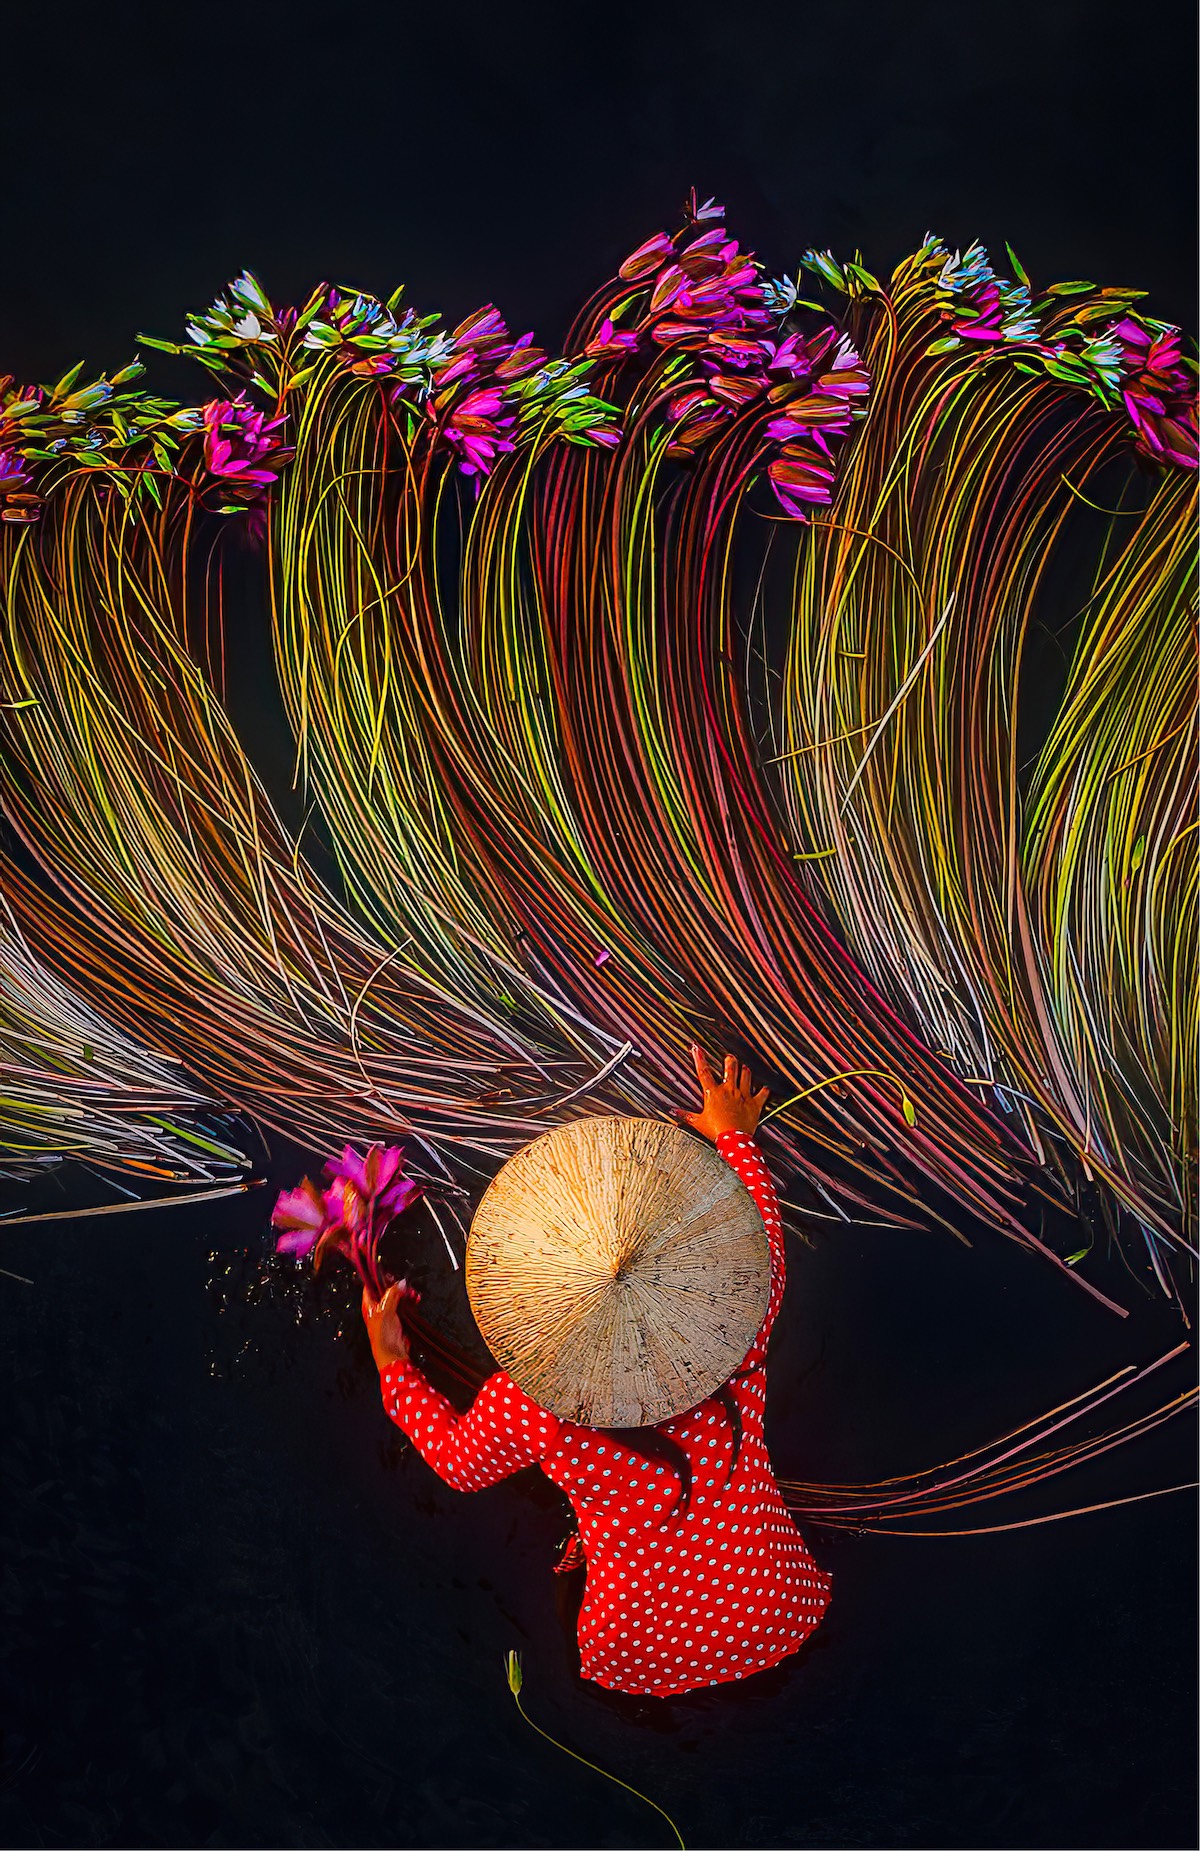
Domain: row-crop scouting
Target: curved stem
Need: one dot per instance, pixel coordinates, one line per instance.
(582, 1759)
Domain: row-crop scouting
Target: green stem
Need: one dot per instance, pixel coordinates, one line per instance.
(554, 1743)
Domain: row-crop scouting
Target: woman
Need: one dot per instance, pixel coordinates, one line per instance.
(696, 1583)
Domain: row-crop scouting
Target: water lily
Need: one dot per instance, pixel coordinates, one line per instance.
(647, 258)
(610, 343)
(479, 428)
(18, 501)
(366, 1193)
(241, 448)
(1157, 392)
(982, 306)
(302, 1214)
(378, 1176)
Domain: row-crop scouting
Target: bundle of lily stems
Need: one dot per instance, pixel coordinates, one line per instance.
(801, 666)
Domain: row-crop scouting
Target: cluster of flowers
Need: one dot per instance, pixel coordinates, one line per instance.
(1123, 358)
(706, 298)
(1157, 391)
(364, 1196)
(103, 425)
(493, 392)
(244, 451)
(475, 389)
(481, 394)
(981, 306)
(19, 501)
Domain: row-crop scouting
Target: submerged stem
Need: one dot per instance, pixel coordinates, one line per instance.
(513, 1670)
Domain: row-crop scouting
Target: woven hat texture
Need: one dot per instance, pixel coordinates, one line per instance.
(618, 1270)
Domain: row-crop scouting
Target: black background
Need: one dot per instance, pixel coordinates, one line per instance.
(237, 1610)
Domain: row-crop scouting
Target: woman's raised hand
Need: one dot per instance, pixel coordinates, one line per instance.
(388, 1341)
(729, 1103)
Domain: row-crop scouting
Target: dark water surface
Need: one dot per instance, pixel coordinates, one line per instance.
(237, 1608)
(240, 1610)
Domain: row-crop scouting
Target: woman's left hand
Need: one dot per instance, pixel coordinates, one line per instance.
(388, 1341)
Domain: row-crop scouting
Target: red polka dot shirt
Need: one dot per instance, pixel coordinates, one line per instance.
(673, 1603)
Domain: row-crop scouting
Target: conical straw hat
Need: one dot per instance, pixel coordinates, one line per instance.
(618, 1270)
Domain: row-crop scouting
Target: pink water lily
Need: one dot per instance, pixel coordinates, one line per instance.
(241, 446)
(366, 1193)
(522, 358)
(301, 1213)
(1157, 391)
(19, 502)
(611, 343)
(479, 428)
(647, 258)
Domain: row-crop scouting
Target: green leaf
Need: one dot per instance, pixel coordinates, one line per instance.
(68, 380)
(947, 345)
(909, 1110)
(512, 1666)
(310, 308)
(1138, 856)
(134, 370)
(864, 277)
(1069, 289)
(1019, 270)
(1073, 1257)
(1095, 311)
(152, 340)
(1062, 369)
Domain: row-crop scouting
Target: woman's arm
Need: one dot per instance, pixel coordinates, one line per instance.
(744, 1157)
(729, 1117)
(502, 1432)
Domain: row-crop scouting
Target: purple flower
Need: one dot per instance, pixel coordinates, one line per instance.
(301, 1214)
(697, 417)
(479, 428)
(484, 329)
(732, 349)
(241, 448)
(815, 408)
(611, 343)
(737, 389)
(522, 358)
(473, 390)
(802, 477)
(981, 306)
(1157, 392)
(365, 1194)
(712, 286)
(377, 1178)
(647, 258)
(18, 502)
(696, 287)
(696, 213)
